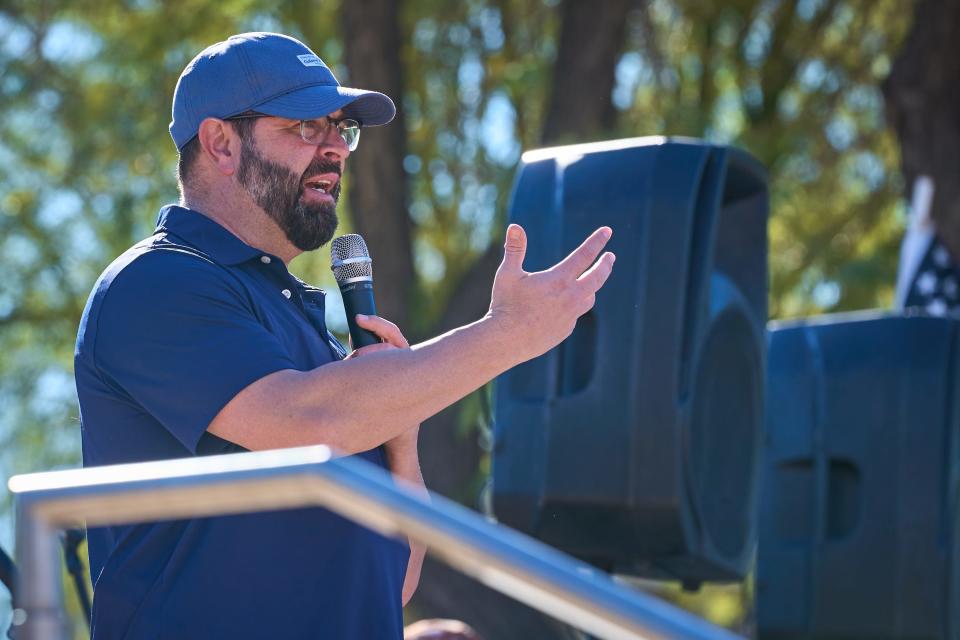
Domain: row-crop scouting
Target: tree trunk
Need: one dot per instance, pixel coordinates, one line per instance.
(378, 182)
(923, 106)
(591, 41)
(580, 108)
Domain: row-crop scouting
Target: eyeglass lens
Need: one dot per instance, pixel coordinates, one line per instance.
(314, 131)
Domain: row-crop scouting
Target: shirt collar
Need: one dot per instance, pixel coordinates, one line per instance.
(205, 234)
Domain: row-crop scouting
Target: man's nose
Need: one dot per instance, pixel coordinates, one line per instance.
(333, 146)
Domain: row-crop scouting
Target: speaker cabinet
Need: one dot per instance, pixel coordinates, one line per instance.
(635, 443)
(858, 519)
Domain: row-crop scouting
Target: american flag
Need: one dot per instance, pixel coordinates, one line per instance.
(929, 278)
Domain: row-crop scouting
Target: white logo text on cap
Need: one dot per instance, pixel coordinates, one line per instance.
(310, 60)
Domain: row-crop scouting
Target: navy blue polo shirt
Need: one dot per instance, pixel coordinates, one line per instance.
(175, 328)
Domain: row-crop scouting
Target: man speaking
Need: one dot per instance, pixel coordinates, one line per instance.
(198, 341)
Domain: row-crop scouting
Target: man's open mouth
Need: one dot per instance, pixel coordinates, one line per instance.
(321, 185)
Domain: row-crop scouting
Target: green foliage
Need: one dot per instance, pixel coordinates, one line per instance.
(728, 605)
(476, 89)
(796, 83)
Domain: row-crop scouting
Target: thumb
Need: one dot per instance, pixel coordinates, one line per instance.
(515, 248)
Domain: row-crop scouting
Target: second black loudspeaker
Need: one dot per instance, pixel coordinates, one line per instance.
(635, 444)
(859, 536)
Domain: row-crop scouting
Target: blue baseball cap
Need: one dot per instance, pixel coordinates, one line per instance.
(269, 73)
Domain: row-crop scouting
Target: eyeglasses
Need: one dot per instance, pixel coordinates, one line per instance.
(316, 131)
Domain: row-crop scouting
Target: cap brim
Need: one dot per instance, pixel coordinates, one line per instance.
(370, 108)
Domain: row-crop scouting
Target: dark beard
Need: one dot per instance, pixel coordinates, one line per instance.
(278, 191)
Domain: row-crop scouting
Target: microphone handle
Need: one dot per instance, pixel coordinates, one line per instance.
(358, 298)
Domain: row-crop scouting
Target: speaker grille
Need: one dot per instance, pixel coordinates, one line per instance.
(726, 426)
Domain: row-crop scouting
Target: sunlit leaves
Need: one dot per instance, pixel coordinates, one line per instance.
(797, 85)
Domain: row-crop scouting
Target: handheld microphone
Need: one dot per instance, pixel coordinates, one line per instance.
(353, 270)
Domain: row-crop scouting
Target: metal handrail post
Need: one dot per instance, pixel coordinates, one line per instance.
(42, 593)
(501, 558)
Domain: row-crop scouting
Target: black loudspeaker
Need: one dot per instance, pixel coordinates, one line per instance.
(635, 443)
(858, 532)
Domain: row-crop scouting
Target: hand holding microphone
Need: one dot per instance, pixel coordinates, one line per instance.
(352, 268)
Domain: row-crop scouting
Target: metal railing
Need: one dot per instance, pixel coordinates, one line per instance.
(500, 558)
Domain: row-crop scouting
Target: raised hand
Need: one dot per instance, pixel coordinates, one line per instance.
(539, 310)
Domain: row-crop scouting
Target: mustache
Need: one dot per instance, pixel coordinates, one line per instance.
(322, 165)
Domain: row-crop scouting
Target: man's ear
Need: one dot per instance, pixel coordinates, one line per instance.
(221, 144)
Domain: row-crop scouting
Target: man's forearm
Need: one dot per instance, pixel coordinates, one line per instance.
(360, 403)
(395, 388)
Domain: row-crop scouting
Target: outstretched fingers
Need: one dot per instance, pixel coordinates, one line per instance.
(594, 277)
(583, 256)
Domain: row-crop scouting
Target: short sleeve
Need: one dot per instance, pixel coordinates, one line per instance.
(180, 336)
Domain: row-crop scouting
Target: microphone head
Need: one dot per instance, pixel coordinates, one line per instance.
(350, 259)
